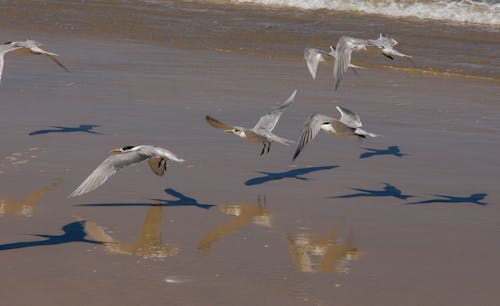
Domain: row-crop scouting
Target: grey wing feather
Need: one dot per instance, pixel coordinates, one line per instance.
(106, 169)
(4, 49)
(342, 60)
(269, 120)
(349, 118)
(311, 128)
(313, 58)
(1, 66)
(217, 124)
(55, 60)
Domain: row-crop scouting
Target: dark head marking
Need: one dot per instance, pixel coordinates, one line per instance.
(7, 43)
(125, 148)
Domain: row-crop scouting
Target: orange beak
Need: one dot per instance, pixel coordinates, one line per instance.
(116, 150)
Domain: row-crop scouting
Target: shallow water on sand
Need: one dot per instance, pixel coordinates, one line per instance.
(230, 227)
(439, 47)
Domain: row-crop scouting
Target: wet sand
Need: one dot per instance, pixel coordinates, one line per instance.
(299, 234)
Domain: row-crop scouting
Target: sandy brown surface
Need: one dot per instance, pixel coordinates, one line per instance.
(265, 231)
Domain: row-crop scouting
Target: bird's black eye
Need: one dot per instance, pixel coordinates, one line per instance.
(125, 148)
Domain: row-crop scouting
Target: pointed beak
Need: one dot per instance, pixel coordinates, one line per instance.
(228, 131)
(116, 150)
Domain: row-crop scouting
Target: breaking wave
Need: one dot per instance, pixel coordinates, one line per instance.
(464, 11)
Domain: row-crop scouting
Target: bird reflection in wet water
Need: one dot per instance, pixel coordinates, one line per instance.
(149, 244)
(26, 206)
(313, 252)
(242, 215)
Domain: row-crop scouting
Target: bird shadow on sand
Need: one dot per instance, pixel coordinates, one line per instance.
(73, 232)
(182, 200)
(473, 199)
(85, 128)
(294, 174)
(392, 150)
(388, 191)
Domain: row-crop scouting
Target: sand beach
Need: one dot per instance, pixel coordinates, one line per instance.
(408, 218)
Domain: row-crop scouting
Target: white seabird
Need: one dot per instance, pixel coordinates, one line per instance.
(157, 159)
(314, 56)
(348, 125)
(29, 45)
(262, 131)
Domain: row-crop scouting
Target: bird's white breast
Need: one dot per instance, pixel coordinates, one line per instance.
(328, 128)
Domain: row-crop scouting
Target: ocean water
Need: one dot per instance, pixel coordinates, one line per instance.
(467, 11)
(447, 38)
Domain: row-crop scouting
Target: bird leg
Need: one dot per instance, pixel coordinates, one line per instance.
(268, 147)
(263, 149)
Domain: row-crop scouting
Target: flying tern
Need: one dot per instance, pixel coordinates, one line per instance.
(262, 131)
(315, 56)
(345, 46)
(349, 124)
(386, 44)
(157, 159)
(29, 45)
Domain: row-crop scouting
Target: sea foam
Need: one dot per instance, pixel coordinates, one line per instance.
(465, 11)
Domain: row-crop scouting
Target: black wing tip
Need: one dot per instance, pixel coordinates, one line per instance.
(388, 56)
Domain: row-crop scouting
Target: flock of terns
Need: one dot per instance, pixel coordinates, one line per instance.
(348, 125)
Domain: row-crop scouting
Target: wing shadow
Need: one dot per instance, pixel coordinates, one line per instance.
(182, 200)
(388, 191)
(392, 150)
(294, 173)
(473, 199)
(85, 128)
(73, 232)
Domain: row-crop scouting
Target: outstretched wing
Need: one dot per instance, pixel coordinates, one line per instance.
(35, 47)
(311, 128)
(313, 58)
(349, 118)
(55, 60)
(344, 51)
(106, 169)
(344, 48)
(269, 120)
(4, 49)
(217, 124)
